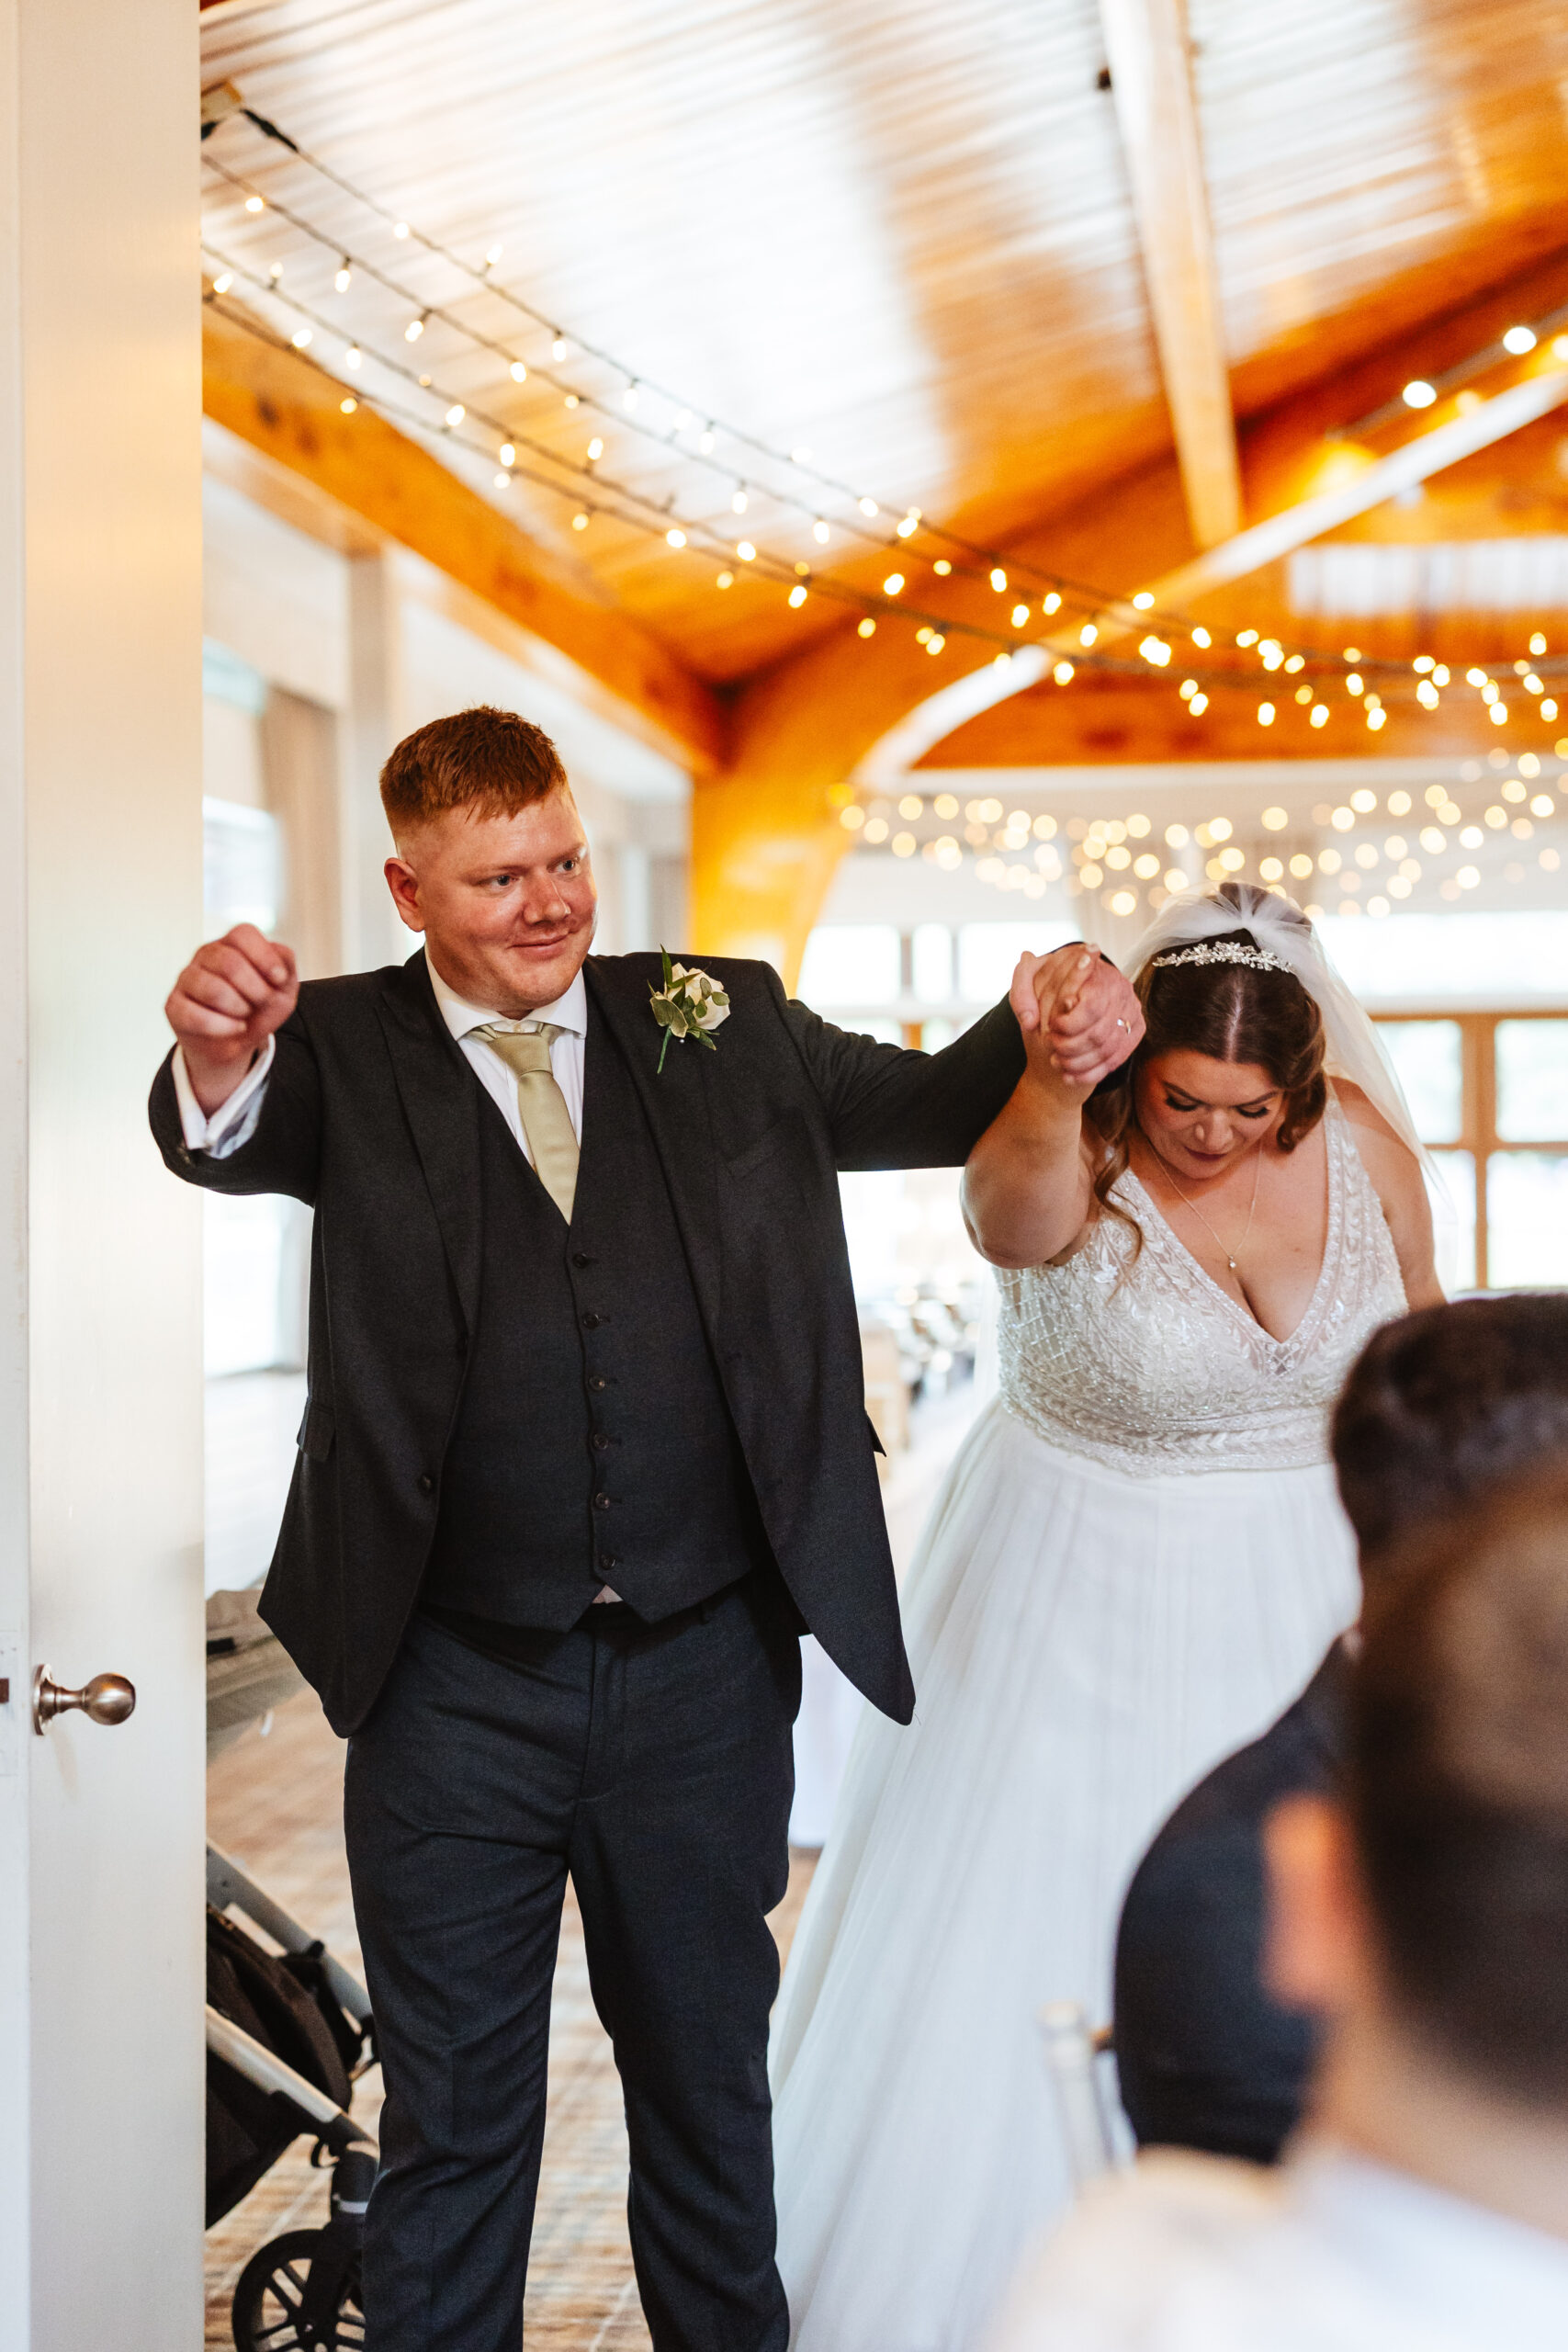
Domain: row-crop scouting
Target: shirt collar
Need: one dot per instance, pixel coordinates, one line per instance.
(569, 1011)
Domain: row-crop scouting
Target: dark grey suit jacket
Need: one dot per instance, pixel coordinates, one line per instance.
(371, 1115)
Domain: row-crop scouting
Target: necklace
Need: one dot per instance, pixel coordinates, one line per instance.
(1257, 1172)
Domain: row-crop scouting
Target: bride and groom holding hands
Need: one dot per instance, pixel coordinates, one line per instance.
(585, 1452)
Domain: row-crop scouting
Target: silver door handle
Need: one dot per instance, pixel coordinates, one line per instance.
(107, 1699)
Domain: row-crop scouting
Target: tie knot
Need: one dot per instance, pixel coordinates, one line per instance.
(526, 1052)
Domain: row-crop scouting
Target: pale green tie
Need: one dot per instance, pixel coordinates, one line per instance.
(546, 1122)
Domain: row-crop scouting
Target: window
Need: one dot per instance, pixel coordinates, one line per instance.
(1489, 1091)
(851, 963)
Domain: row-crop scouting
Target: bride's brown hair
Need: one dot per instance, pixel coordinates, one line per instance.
(1232, 1013)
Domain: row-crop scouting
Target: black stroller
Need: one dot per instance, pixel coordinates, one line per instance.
(288, 2034)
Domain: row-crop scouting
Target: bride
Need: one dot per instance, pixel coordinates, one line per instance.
(1136, 1562)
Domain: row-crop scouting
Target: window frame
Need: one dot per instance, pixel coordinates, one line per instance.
(1478, 1102)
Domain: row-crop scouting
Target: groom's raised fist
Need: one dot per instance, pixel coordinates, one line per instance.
(225, 1005)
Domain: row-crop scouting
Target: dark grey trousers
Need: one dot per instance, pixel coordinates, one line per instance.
(653, 1764)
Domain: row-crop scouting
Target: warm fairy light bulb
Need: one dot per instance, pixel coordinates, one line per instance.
(595, 450)
(1021, 616)
(493, 255)
(819, 533)
(255, 204)
(1519, 340)
(558, 347)
(353, 355)
(1202, 638)
(737, 505)
(725, 579)
(1187, 689)
(675, 537)
(1199, 705)
(893, 583)
(745, 551)
(1319, 714)
(455, 414)
(344, 277)
(800, 456)
(1265, 714)
(401, 229)
(868, 506)
(628, 398)
(999, 578)
(507, 454)
(941, 567)
(1246, 637)
(1156, 651)
(580, 521)
(1063, 673)
(1142, 600)
(221, 283)
(1418, 393)
(348, 405)
(275, 272)
(1087, 634)
(300, 338)
(706, 442)
(413, 329)
(504, 481)
(910, 523)
(1051, 603)
(798, 596)
(519, 374)
(935, 642)
(867, 627)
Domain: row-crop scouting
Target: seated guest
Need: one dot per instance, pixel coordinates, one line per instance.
(1440, 1405)
(1423, 1916)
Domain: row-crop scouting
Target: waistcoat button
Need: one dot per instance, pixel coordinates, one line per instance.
(601, 1502)
(598, 1381)
(591, 1322)
(608, 1560)
(581, 1258)
(600, 1440)
(426, 1482)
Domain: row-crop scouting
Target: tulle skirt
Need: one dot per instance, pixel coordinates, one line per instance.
(1086, 1646)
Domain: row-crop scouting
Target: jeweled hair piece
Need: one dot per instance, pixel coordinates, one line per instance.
(1222, 951)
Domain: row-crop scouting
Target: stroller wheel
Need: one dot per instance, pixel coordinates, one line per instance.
(300, 2294)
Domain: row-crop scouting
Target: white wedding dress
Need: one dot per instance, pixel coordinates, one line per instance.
(1138, 1561)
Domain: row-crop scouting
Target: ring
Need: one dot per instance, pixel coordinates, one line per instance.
(1124, 1024)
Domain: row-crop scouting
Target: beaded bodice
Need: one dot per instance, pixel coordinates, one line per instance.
(1138, 1359)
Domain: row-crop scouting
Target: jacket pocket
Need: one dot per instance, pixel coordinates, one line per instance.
(315, 1438)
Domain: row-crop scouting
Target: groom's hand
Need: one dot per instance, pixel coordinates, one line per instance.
(1078, 1012)
(225, 1005)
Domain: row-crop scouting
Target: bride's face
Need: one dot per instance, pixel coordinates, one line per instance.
(1202, 1117)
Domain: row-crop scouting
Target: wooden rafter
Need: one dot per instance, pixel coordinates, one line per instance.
(1151, 80)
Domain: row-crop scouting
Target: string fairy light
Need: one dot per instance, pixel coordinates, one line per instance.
(633, 507)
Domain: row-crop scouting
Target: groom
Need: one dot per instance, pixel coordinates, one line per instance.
(585, 1451)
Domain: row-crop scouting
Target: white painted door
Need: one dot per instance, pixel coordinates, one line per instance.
(100, 1353)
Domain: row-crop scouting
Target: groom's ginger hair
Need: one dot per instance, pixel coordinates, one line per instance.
(490, 761)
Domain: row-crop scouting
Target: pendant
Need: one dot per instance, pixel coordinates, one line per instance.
(1231, 1263)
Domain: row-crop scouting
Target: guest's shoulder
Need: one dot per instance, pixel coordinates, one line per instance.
(1147, 2262)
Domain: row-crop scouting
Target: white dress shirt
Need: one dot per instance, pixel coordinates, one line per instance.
(235, 1122)
(1330, 2253)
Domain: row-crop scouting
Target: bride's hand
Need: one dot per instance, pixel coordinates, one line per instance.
(1077, 1014)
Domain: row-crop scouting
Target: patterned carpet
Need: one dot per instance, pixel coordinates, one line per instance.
(272, 1803)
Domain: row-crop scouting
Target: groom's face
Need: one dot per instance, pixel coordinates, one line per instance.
(507, 904)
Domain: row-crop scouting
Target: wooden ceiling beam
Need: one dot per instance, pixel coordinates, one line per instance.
(1151, 81)
(292, 412)
(766, 836)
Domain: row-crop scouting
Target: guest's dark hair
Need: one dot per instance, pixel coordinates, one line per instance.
(1233, 1012)
(1444, 1404)
(1458, 1788)
(490, 761)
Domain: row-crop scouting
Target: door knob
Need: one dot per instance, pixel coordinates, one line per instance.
(107, 1699)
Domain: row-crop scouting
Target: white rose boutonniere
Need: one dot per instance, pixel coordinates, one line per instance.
(689, 1004)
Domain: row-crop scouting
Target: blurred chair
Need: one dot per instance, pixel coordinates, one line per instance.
(1073, 2055)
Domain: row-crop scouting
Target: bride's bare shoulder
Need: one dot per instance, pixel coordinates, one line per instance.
(1399, 1185)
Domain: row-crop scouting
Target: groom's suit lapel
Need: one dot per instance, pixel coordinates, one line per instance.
(441, 1102)
(675, 1103)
